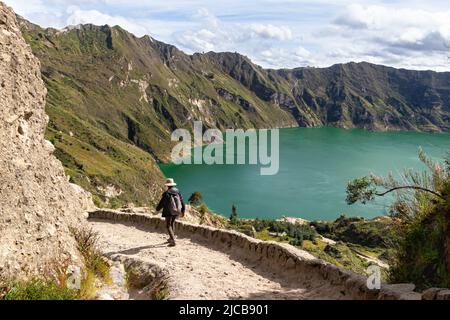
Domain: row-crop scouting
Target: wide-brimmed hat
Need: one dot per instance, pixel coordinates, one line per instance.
(170, 183)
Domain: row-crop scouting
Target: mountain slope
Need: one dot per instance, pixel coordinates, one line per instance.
(374, 97)
(114, 99)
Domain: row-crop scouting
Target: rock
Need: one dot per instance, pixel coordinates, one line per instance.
(49, 146)
(84, 197)
(104, 296)
(430, 294)
(118, 274)
(401, 291)
(443, 295)
(34, 192)
(290, 263)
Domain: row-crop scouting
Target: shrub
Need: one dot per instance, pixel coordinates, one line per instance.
(421, 253)
(87, 288)
(115, 203)
(203, 209)
(296, 231)
(196, 199)
(296, 242)
(94, 262)
(421, 211)
(332, 251)
(375, 233)
(57, 270)
(39, 289)
(234, 215)
(86, 240)
(98, 202)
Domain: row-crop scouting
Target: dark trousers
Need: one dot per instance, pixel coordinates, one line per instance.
(170, 224)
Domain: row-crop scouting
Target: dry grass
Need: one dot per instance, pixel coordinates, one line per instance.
(58, 270)
(96, 265)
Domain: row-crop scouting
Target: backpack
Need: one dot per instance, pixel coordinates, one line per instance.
(175, 204)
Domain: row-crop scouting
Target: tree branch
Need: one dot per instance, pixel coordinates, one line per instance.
(411, 187)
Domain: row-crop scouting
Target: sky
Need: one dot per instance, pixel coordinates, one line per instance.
(274, 33)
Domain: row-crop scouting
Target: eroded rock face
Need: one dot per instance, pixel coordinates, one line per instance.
(37, 203)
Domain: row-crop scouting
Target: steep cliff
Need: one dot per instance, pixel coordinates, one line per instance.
(37, 202)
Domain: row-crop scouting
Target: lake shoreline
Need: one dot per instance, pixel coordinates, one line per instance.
(315, 166)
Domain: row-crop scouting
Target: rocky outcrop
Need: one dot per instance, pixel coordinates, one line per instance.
(37, 202)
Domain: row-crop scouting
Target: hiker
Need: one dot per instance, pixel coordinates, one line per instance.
(173, 206)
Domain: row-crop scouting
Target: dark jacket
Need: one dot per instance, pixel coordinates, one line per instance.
(164, 203)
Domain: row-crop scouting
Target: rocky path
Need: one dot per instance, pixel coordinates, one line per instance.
(200, 272)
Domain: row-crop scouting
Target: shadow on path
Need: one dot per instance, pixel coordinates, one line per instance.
(133, 251)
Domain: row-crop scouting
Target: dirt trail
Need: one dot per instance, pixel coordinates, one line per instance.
(200, 272)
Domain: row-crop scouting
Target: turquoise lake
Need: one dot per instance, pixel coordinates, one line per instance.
(315, 166)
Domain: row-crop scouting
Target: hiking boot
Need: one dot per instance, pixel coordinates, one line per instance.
(172, 244)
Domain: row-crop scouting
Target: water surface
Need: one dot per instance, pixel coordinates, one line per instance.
(315, 166)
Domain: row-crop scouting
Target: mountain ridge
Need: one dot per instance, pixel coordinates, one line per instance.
(114, 98)
(70, 27)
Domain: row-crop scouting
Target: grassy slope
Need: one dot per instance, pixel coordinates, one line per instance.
(113, 100)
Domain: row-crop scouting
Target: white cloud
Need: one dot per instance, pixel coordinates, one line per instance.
(413, 29)
(274, 33)
(269, 31)
(198, 41)
(209, 18)
(78, 16)
(279, 58)
(211, 33)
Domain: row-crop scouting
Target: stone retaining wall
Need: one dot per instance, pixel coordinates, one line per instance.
(277, 257)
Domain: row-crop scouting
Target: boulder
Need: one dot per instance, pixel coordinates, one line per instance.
(400, 291)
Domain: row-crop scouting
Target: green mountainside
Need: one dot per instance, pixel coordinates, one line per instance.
(113, 100)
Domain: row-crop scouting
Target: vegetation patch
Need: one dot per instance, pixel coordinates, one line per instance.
(96, 266)
(306, 236)
(373, 233)
(39, 289)
(420, 212)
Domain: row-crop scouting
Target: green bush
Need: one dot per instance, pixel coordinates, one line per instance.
(196, 199)
(332, 251)
(291, 231)
(203, 209)
(234, 220)
(39, 289)
(375, 233)
(421, 212)
(421, 253)
(296, 231)
(296, 242)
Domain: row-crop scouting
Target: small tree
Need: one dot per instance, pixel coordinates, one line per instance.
(414, 190)
(196, 199)
(421, 210)
(234, 216)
